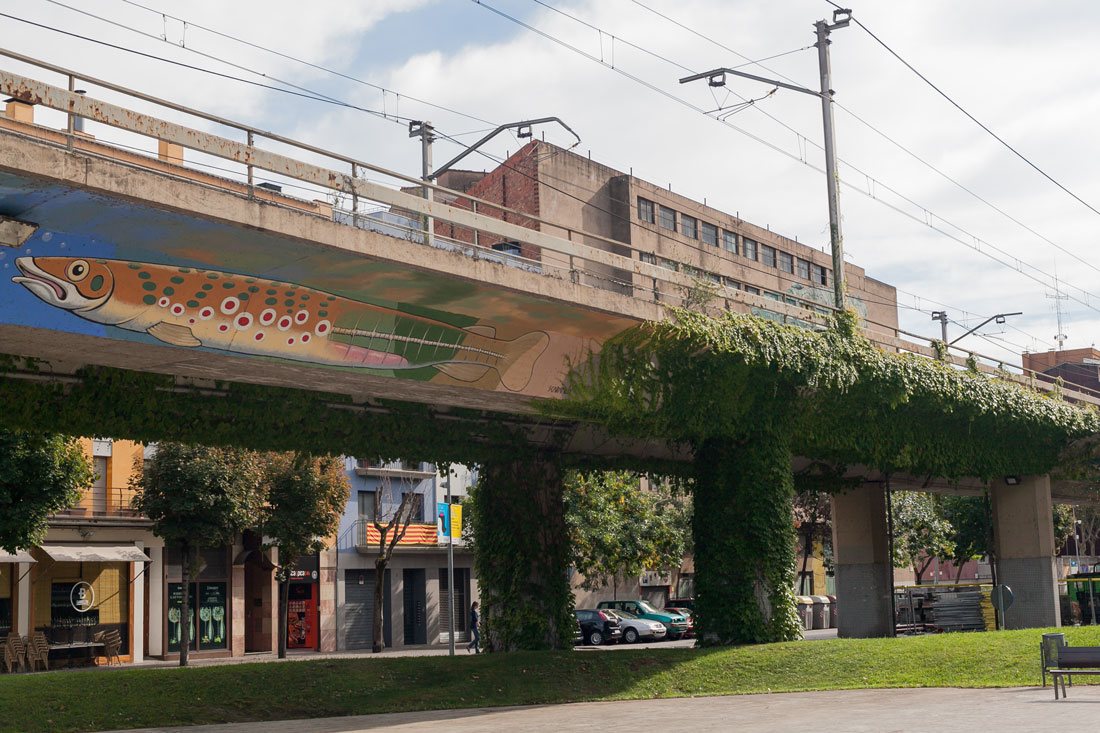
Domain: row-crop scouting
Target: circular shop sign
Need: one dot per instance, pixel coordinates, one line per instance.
(82, 597)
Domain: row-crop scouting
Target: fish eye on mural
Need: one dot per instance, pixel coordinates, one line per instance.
(254, 316)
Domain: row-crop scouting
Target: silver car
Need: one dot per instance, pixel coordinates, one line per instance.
(635, 629)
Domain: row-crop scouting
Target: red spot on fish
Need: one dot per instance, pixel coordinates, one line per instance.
(260, 336)
(305, 337)
(290, 340)
(301, 317)
(190, 320)
(223, 328)
(177, 310)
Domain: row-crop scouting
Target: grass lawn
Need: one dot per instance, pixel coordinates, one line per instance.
(98, 700)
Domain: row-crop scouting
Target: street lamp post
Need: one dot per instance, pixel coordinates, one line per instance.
(717, 78)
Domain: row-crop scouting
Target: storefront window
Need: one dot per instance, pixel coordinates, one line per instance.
(73, 601)
(6, 594)
(208, 608)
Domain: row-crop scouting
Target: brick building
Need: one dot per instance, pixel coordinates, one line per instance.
(655, 225)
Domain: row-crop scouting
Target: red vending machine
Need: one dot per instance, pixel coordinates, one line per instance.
(302, 621)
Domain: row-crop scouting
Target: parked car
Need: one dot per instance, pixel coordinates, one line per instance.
(635, 629)
(676, 624)
(598, 627)
(686, 613)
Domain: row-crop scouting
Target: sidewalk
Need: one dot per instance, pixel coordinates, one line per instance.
(852, 711)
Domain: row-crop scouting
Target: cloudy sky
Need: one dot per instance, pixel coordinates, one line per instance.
(1029, 71)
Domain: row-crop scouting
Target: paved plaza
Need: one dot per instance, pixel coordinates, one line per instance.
(850, 711)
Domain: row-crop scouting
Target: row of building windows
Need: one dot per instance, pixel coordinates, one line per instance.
(692, 228)
(727, 282)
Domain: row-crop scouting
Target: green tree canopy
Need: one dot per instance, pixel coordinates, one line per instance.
(920, 531)
(199, 496)
(306, 497)
(617, 530)
(39, 474)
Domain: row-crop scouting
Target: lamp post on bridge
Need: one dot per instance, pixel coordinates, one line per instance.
(717, 78)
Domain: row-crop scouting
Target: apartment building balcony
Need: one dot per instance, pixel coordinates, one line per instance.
(419, 536)
(103, 504)
(394, 469)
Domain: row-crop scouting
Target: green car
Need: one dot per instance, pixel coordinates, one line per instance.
(676, 624)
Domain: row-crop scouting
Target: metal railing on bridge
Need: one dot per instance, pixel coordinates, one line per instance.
(382, 206)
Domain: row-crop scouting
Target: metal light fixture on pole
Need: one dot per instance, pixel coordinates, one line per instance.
(424, 131)
(941, 316)
(717, 78)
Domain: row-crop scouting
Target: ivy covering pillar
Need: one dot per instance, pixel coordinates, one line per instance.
(521, 551)
(744, 540)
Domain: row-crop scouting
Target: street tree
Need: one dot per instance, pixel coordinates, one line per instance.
(617, 529)
(971, 534)
(813, 518)
(199, 496)
(306, 496)
(921, 534)
(40, 474)
(391, 520)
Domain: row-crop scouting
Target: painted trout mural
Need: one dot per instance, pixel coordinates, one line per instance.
(189, 307)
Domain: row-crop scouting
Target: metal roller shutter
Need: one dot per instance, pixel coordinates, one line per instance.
(359, 609)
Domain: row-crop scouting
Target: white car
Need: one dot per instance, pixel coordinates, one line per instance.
(635, 629)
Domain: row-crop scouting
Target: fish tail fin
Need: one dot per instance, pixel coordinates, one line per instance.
(521, 355)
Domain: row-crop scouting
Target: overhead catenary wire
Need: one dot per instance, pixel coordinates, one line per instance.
(871, 194)
(277, 89)
(212, 72)
(971, 117)
(975, 244)
(312, 65)
(260, 73)
(847, 110)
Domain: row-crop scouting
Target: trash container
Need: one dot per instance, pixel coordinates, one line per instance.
(832, 611)
(821, 612)
(805, 611)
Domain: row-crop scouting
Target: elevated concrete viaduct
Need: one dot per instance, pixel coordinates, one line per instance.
(433, 321)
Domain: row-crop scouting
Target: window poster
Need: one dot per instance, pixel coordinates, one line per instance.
(212, 616)
(175, 611)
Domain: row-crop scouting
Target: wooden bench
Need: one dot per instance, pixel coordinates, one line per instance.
(1074, 660)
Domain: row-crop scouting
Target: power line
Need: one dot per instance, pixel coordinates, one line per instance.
(976, 243)
(310, 64)
(878, 132)
(972, 118)
(277, 89)
(304, 95)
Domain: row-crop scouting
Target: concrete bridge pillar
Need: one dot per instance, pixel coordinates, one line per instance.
(864, 576)
(1023, 534)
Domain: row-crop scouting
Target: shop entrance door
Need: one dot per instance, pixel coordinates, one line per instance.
(257, 605)
(416, 599)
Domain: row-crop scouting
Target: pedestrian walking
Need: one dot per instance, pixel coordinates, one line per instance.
(475, 643)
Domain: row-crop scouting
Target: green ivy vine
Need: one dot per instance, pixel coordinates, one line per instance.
(748, 393)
